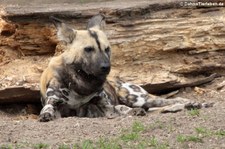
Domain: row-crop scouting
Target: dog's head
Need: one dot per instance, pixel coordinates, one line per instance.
(87, 50)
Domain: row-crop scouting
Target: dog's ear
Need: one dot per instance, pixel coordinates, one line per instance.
(97, 21)
(64, 32)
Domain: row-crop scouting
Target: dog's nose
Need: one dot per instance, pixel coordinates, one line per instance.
(105, 67)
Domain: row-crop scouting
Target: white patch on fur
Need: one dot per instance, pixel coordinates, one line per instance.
(48, 108)
(140, 100)
(49, 90)
(54, 97)
(122, 109)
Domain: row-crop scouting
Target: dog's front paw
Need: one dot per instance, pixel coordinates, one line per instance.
(47, 113)
(193, 105)
(138, 112)
(45, 117)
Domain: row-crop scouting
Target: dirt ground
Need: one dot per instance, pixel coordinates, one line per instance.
(196, 129)
(166, 128)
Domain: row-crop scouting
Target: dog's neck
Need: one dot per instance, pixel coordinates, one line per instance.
(74, 78)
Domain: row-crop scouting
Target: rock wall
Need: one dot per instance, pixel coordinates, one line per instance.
(152, 42)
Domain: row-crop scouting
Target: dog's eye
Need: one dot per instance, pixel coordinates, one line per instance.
(107, 50)
(89, 49)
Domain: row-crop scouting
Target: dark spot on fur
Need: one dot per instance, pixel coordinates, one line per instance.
(95, 36)
(118, 82)
(65, 93)
(153, 103)
(95, 100)
(147, 105)
(135, 88)
(132, 98)
(65, 98)
(50, 93)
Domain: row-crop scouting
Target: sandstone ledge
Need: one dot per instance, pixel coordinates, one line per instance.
(152, 42)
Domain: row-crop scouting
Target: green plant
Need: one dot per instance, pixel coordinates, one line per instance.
(64, 146)
(202, 130)
(153, 142)
(141, 144)
(6, 146)
(129, 136)
(20, 146)
(156, 144)
(41, 146)
(183, 138)
(220, 133)
(138, 127)
(194, 112)
(87, 144)
(107, 144)
(207, 132)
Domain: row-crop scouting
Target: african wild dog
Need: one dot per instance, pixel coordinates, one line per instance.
(74, 83)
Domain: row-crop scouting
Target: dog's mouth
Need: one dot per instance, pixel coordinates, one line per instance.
(92, 75)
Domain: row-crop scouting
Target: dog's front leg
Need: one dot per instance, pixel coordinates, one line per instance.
(51, 101)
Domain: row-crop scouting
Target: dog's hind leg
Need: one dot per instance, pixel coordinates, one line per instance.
(136, 97)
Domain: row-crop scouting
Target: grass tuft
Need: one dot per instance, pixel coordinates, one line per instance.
(87, 144)
(64, 146)
(129, 136)
(41, 146)
(183, 138)
(220, 133)
(107, 144)
(6, 146)
(206, 132)
(157, 145)
(202, 130)
(138, 127)
(194, 112)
